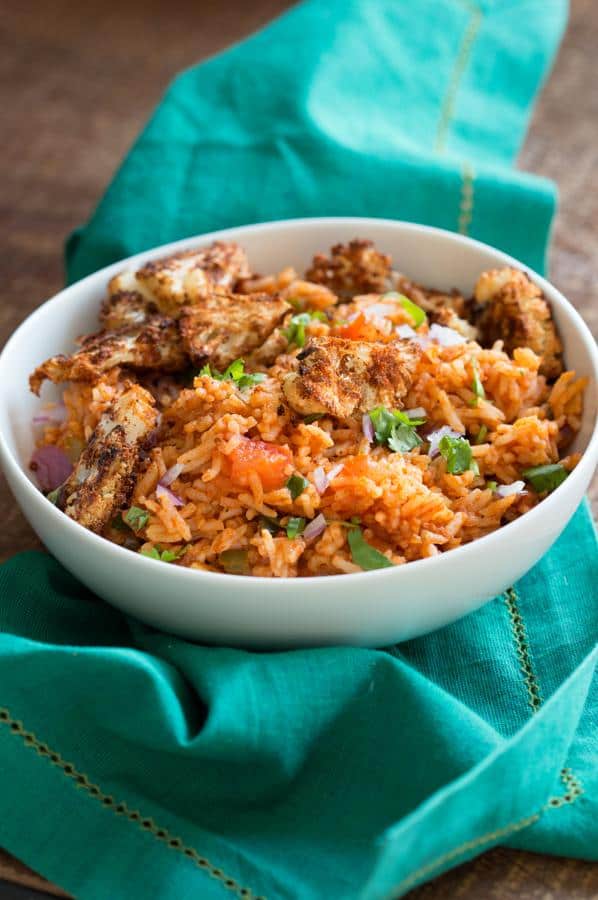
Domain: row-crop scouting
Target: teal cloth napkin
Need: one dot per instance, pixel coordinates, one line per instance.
(407, 110)
(137, 765)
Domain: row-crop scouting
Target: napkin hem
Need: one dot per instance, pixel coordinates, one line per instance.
(462, 59)
(121, 808)
(523, 650)
(573, 790)
(469, 849)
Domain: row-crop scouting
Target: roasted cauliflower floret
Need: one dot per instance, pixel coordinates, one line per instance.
(155, 345)
(493, 281)
(342, 377)
(430, 300)
(511, 308)
(265, 355)
(223, 327)
(125, 309)
(445, 308)
(184, 278)
(353, 268)
(103, 478)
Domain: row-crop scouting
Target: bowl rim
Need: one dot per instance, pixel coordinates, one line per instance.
(509, 531)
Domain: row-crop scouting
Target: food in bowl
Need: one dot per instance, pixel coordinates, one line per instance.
(285, 425)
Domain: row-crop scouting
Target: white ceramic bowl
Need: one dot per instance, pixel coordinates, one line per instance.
(370, 608)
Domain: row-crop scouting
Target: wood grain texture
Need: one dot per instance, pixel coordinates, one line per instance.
(78, 83)
(11, 870)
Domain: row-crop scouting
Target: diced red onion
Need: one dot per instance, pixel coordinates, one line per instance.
(417, 413)
(378, 314)
(507, 490)
(171, 475)
(315, 528)
(367, 427)
(335, 470)
(162, 491)
(406, 331)
(322, 480)
(55, 415)
(379, 309)
(51, 466)
(423, 340)
(435, 437)
(383, 325)
(446, 337)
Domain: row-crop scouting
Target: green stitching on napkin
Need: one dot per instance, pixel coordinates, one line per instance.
(447, 109)
(522, 650)
(121, 809)
(467, 199)
(573, 785)
(574, 790)
(487, 838)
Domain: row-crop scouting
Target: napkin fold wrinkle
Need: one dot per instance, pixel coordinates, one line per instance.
(136, 764)
(349, 107)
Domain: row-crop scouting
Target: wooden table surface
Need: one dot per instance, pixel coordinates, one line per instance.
(79, 80)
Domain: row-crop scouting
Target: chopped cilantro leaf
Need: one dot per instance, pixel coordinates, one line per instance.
(416, 312)
(270, 524)
(235, 373)
(295, 526)
(383, 421)
(477, 387)
(404, 438)
(296, 485)
(545, 478)
(53, 496)
(151, 554)
(407, 420)
(481, 435)
(313, 417)
(458, 455)
(118, 524)
(250, 380)
(491, 486)
(164, 555)
(136, 518)
(295, 332)
(363, 554)
(413, 420)
(353, 521)
(234, 561)
(395, 429)
(170, 555)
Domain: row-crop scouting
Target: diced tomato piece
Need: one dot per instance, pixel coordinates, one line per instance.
(270, 461)
(359, 329)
